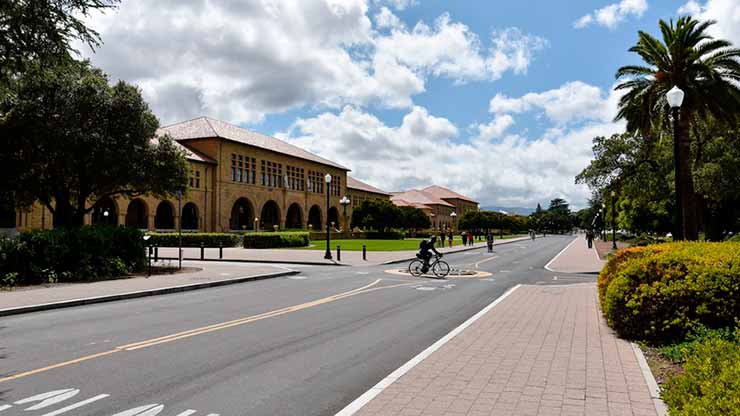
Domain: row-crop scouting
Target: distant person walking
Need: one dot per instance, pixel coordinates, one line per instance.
(489, 242)
(471, 239)
(449, 239)
(442, 239)
(590, 238)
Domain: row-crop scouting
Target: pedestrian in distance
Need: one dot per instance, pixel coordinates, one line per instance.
(590, 238)
(489, 242)
(449, 239)
(471, 239)
(442, 239)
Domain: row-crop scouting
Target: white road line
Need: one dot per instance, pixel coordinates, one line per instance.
(76, 405)
(5, 406)
(365, 398)
(547, 266)
(49, 399)
(483, 261)
(187, 412)
(146, 410)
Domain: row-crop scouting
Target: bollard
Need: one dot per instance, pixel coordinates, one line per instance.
(220, 250)
(149, 260)
(156, 253)
(339, 253)
(364, 252)
(202, 251)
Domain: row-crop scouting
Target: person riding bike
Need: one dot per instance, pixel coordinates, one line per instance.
(426, 247)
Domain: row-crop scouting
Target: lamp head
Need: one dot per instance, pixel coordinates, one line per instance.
(327, 178)
(675, 97)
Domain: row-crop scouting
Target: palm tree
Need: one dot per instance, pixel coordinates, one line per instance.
(706, 69)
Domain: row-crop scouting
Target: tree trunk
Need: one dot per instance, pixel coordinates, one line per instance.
(65, 215)
(688, 198)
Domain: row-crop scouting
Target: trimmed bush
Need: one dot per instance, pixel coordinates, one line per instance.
(710, 383)
(276, 240)
(384, 235)
(69, 255)
(663, 292)
(195, 239)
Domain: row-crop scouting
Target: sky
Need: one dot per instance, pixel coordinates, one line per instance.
(499, 100)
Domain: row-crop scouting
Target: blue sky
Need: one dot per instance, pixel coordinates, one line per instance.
(495, 99)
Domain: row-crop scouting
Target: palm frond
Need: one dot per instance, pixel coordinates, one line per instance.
(634, 70)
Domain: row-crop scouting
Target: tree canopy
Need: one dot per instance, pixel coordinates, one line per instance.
(70, 139)
(382, 215)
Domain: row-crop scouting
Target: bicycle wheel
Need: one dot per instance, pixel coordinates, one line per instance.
(441, 269)
(416, 267)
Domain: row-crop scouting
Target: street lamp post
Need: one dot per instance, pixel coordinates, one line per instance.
(614, 222)
(675, 99)
(327, 255)
(179, 229)
(454, 221)
(345, 201)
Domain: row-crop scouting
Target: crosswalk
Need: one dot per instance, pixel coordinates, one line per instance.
(43, 404)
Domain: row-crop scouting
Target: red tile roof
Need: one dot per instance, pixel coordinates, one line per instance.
(353, 183)
(420, 197)
(444, 193)
(206, 127)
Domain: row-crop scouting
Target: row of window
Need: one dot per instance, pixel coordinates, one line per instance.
(244, 169)
(194, 178)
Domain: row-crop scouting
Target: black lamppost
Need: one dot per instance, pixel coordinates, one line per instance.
(179, 229)
(614, 222)
(454, 221)
(675, 99)
(345, 201)
(327, 255)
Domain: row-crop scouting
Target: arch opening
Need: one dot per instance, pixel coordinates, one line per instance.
(314, 217)
(294, 218)
(164, 219)
(137, 214)
(189, 220)
(242, 215)
(105, 213)
(270, 215)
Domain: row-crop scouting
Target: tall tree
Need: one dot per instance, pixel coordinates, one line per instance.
(706, 69)
(70, 140)
(35, 31)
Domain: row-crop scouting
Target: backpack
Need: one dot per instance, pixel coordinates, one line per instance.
(423, 245)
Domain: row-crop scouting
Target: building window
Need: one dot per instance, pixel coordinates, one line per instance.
(335, 187)
(296, 178)
(243, 168)
(315, 182)
(271, 173)
(194, 178)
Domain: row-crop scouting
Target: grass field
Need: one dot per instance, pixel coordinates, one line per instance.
(383, 245)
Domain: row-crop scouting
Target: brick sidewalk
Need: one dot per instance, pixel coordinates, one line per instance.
(576, 258)
(544, 350)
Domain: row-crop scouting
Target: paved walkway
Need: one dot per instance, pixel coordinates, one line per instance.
(544, 350)
(65, 292)
(352, 258)
(576, 258)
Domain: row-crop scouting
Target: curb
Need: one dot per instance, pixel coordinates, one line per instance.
(140, 294)
(660, 406)
(507, 241)
(297, 263)
(366, 397)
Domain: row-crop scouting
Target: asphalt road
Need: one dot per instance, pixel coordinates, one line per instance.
(300, 345)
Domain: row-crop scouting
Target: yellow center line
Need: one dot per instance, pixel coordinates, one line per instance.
(209, 328)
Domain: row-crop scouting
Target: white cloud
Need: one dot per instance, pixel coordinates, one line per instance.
(398, 4)
(572, 102)
(240, 60)
(424, 149)
(725, 12)
(613, 14)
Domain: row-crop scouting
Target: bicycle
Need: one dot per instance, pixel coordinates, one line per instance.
(440, 268)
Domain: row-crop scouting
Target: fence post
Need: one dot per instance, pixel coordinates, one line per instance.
(220, 250)
(364, 252)
(202, 251)
(156, 252)
(339, 253)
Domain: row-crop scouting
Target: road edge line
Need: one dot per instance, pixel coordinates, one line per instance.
(366, 397)
(547, 266)
(140, 294)
(660, 406)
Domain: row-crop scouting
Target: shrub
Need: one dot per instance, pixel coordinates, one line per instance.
(678, 352)
(195, 239)
(710, 383)
(66, 255)
(384, 235)
(276, 240)
(665, 291)
(735, 238)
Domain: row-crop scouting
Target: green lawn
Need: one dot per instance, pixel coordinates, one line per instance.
(382, 245)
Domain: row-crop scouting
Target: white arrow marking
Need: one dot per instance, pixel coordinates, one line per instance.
(5, 406)
(76, 405)
(426, 288)
(554, 278)
(49, 398)
(362, 272)
(296, 277)
(187, 412)
(146, 410)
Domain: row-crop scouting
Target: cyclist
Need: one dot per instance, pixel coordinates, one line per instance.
(426, 247)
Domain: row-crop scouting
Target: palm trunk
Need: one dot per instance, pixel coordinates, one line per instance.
(688, 198)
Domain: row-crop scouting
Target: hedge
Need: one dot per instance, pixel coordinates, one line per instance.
(710, 382)
(69, 255)
(663, 292)
(276, 240)
(195, 239)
